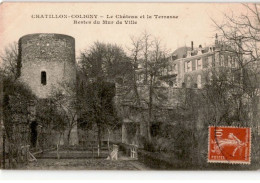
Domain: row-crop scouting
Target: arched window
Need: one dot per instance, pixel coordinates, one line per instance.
(43, 78)
(199, 81)
(183, 85)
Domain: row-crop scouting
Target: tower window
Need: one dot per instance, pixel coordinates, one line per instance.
(43, 78)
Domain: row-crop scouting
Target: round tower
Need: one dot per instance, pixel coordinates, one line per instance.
(46, 61)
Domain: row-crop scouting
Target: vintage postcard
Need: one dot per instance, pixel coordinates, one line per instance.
(129, 86)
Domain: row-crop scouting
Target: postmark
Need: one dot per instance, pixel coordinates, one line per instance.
(229, 145)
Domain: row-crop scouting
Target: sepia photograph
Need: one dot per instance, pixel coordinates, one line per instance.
(129, 86)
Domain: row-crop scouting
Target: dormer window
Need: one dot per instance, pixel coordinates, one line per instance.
(43, 78)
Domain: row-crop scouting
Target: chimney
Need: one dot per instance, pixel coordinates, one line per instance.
(200, 49)
(191, 45)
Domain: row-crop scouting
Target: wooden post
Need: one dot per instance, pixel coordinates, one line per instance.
(1, 121)
(27, 153)
(4, 150)
(98, 150)
(115, 147)
(92, 150)
(133, 151)
(58, 155)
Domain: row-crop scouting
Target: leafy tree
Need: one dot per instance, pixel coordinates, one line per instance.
(99, 68)
(16, 112)
(15, 99)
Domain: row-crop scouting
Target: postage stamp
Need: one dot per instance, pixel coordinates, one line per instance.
(229, 145)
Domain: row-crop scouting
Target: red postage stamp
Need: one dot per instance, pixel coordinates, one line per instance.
(229, 145)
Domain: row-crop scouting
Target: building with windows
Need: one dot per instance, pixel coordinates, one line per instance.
(192, 68)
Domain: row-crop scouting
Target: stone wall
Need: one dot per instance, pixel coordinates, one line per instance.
(51, 53)
(134, 117)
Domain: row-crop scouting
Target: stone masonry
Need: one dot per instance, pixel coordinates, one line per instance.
(45, 62)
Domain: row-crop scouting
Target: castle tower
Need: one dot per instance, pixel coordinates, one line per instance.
(46, 61)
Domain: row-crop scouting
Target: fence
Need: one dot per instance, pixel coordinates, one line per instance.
(16, 156)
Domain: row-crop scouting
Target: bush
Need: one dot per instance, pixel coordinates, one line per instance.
(147, 145)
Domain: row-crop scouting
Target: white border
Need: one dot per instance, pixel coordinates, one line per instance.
(141, 1)
(131, 176)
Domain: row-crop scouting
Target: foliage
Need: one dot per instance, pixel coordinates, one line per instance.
(99, 68)
(16, 116)
(243, 33)
(16, 103)
(104, 61)
(149, 59)
(65, 102)
(9, 59)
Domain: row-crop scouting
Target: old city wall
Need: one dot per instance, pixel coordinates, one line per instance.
(135, 117)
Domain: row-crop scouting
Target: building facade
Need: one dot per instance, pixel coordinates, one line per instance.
(193, 67)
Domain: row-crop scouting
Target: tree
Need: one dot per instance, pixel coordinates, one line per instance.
(99, 108)
(147, 52)
(50, 117)
(65, 100)
(16, 117)
(104, 61)
(242, 32)
(9, 58)
(100, 66)
(16, 99)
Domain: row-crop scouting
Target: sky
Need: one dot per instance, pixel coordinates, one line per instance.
(193, 23)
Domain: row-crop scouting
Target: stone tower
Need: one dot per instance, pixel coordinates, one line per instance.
(45, 62)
